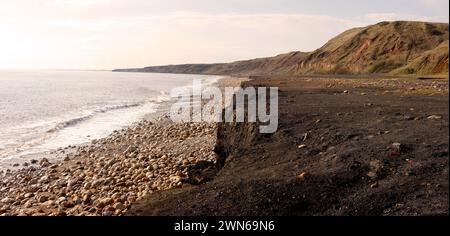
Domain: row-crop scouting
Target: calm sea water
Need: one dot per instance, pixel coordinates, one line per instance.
(44, 110)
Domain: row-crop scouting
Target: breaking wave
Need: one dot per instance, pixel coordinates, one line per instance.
(77, 120)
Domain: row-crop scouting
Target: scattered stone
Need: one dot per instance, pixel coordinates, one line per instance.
(104, 202)
(105, 178)
(395, 153)
(44, 162)
(397, 146)
(408, 118)
(68, 204)
(7, 200)
(434, 117)
(119, 206)
(42, 198)
(61, 212)
(375, 168)
(87, 197)
(305, 136)
(397, 150)
(302, 176)
(107, 213)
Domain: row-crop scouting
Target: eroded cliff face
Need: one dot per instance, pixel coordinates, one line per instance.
(389, 47)
(232, 138)
(435, 61)
(383, 48)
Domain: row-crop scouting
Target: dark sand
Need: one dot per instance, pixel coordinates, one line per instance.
(344, 147)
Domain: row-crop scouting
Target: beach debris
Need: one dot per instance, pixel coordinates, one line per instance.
(408, 117)
(434, 117)
(305, 136)
(397, 146)
(410, 162)
(396, 150)
(375, 168)
(346, 91)
(302, 146)
(395, 153)
(302, 176)
(374, 185)
(383, 132)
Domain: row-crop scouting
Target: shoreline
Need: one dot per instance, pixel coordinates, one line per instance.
(378, 139)
(18, 162)
(56, 155)
(105, 176)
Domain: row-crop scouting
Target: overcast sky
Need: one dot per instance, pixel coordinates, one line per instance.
(106, 34)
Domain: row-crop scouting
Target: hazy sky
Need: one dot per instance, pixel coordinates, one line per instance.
(106, 34)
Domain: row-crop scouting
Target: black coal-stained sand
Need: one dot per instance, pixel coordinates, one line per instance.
(343, 147)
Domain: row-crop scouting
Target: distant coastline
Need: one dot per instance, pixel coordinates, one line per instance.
(392, 48)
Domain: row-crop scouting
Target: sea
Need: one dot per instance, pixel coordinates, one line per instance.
(44, 110)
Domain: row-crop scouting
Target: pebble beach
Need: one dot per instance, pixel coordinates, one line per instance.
(105, 177)
(108, 175)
